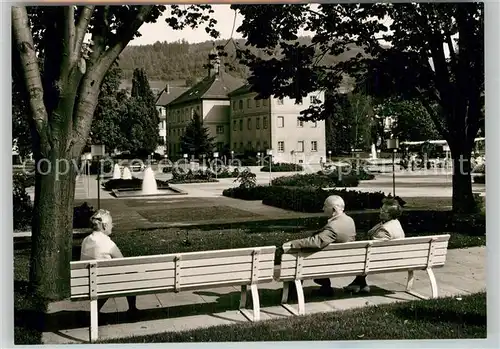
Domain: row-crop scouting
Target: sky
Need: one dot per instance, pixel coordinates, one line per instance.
(160, 31)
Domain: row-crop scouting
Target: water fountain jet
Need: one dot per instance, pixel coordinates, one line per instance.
(117, 173)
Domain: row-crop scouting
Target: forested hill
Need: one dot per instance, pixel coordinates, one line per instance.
(176, 60)
(184, 61)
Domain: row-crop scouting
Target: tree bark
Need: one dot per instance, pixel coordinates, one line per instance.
(51, 250)
(463, 199)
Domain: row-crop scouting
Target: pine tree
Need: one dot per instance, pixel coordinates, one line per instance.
(196, 140)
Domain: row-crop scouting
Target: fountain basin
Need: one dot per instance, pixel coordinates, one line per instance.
(139, 193)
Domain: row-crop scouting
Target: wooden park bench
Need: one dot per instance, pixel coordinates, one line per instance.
(95, 279)
(362, 258)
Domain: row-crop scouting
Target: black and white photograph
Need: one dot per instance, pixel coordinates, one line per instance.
(248, 172)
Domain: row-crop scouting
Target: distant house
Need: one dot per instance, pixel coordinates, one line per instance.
(209, 99)
(167, 95)
(260, 125)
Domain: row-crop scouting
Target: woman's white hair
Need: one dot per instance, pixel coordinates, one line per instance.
(102, 220)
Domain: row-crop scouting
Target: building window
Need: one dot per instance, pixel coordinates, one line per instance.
(314, 146)
(249, 103)
(258, 145)
(257, 123)
(265, 145)
(249, 145)
(220, 130)
(280, 101)
(257, 103)
(240, 104)
(241, 146)
(314, 124)
(220, 145)
(264, 122)
(314, 100)
(241, 125)
(281, 121)
(300, 123)
(249, 124)
(234, 125)
(281, 146)
(264, 102)
(300, 146)
(234, 146)
(234, 105)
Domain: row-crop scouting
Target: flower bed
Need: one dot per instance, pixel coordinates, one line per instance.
(320, 180)
(283, 167)
(254, 193)
(311, 199)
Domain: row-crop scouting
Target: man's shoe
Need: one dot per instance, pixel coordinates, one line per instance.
(365, 289)
(353, 288)
(324, 291)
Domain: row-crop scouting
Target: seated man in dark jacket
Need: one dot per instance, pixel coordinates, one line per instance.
(339, 228)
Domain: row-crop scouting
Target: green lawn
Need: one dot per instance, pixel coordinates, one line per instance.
(135, 242)
(445, 318)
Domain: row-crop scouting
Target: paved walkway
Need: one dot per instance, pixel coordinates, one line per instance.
(463, 273)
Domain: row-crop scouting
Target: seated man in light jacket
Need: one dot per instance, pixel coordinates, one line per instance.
(389, 228)
(99, 245)
(339, 228)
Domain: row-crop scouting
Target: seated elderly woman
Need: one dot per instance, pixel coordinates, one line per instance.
(388, 228)
(99, 245)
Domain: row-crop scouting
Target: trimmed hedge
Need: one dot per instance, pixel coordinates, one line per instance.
(320, 180)
(283, 167)
(254, 193)
(480, 179)
(311, 199)
(22, 207)
(134, 183)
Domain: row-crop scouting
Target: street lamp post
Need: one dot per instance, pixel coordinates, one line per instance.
(329, 156)
(216, 155)
(393, 144)
(270, 153)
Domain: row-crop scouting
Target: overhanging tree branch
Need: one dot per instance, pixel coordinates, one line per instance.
(81, 27)
(23, 40)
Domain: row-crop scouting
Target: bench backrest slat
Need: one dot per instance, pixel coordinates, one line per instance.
(351, 258)
(194, 269)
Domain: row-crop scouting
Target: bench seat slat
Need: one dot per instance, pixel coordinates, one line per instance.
(411, 247)
(406, 254)
(325, 261)
(292, 256)
(224, 260)
(409, 262)
(223, 269)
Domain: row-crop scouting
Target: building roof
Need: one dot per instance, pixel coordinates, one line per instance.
(240, 91)
(216, 86)
(170, 93)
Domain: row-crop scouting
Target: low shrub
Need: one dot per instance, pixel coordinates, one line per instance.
(311, 199)
(81, 216)
(320, 180)
(480, 179)
(225, 173)
(247, 193)
(22, 206)
(134, 183)
(189, 176)
(283, 167)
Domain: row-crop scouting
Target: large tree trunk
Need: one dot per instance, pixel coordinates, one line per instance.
(463, 200)
(51, 249)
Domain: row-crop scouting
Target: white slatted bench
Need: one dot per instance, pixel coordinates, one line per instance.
(362, 258)
(91, 280)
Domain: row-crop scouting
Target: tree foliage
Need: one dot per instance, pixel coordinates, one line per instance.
(413, 122)
(62, 75)
(196, 140)
(348, 122)
(404, 56)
